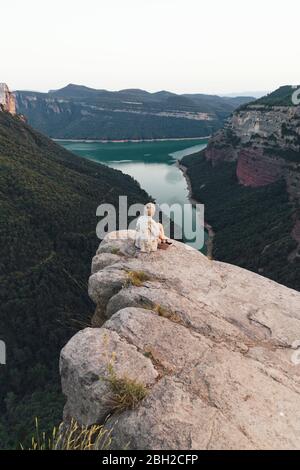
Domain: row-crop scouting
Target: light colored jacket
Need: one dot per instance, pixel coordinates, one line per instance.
(147, 234)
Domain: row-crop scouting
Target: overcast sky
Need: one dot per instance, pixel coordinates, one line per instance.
(211, 46)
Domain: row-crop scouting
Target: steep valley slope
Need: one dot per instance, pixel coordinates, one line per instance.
(249, 180)
(48, 201)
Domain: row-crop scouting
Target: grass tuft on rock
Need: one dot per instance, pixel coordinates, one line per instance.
(166, 313)
(115, 250)
(72, 436)
(137, 278)
(126, 393)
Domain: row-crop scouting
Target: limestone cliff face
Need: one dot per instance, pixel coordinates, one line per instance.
(264, 141)
(265, 144)
(7, 99)
(28, 101)
(214, 345)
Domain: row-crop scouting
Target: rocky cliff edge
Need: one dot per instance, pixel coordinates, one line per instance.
(7, 99)
(214, 347)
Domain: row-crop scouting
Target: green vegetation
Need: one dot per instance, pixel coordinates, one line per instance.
(253, 225)
(280, 97)
(126, 393)
(48, 201)
(78, 112)
(287, 154)
(231, 137)
(115, 250)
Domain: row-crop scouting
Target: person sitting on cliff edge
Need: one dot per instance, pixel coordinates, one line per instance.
(150, 235)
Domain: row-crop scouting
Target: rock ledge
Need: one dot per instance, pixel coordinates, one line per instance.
(213, 343)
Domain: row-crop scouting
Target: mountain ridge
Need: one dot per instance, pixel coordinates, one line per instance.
(280, 97)
(76, 111)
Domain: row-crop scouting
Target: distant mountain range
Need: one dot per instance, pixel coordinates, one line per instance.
(79, 112)
(255, 94)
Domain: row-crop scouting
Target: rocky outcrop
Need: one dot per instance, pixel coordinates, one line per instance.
(256, 169)
(212, 344)
(263, 141)
(7, 99)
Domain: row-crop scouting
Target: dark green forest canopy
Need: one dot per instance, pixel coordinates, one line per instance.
(280, 97)
(48, 201)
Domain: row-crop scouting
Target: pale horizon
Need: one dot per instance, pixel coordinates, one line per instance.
(184, 47)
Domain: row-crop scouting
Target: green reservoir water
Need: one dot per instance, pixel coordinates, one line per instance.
(152, 164)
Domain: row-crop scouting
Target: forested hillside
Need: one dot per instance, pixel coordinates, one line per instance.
(79, 112)
(48, 201)
(280, 97)
(252, 225)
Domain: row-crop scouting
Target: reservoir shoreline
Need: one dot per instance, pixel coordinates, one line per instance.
(193, 201)
(106, 141)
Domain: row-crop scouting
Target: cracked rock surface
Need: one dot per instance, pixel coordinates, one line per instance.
(212, 343)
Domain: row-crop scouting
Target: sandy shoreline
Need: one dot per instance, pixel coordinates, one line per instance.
(135, 141)
(210, 231)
